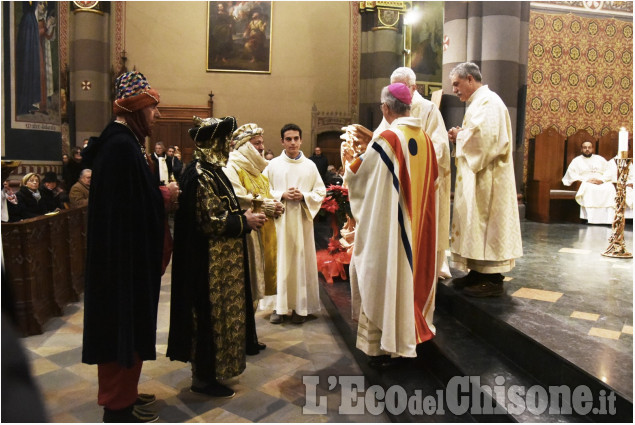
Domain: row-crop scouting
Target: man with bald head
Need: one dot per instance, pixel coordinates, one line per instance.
(596, 194)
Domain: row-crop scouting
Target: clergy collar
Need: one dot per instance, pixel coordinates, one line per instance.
(296, 158)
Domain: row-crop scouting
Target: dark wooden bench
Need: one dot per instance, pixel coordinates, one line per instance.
(548, 200)
(44, 260)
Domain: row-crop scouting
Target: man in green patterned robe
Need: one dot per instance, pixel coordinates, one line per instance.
(211, 304)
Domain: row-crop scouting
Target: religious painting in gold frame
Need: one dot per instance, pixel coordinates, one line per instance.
(426, 46)
(35, 70)
(239, 36)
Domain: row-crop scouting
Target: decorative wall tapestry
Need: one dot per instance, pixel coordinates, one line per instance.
(239, 36)
(35, 67)
(579, 74)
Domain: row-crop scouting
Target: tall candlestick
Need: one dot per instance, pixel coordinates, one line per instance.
(623, 140)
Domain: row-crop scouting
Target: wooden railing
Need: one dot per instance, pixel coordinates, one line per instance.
(44, 261)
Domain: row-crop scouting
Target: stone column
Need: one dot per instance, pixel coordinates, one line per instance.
(382, 52)
(495, 36)
(90, 78)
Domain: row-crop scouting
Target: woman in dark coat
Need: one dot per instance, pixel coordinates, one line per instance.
(33, 202)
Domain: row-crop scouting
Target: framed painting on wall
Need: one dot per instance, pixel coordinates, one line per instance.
(427, 44)
(239, 36)
(35, 82)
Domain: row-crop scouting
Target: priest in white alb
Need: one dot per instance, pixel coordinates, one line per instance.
(295, 181)
(596, 194)
(394, 266)
(485, 232)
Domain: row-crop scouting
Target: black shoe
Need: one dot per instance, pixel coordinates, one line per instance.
(494, 278)
(380, 362)
(275, 318)
(468, 280)
(484, 289)
(215, 389)
(129, 415)
(145, 399)
(253, 349)
(297, 319)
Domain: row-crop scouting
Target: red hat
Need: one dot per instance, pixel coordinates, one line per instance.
(133, 93)
(401, 92)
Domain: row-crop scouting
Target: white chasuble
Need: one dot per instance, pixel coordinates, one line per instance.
(485, 231)
(393, 268)
(433, 125)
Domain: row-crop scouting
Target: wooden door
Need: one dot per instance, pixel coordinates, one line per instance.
(330, 142)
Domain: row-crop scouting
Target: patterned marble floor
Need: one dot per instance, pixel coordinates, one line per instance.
(565, 295)
(270, 390)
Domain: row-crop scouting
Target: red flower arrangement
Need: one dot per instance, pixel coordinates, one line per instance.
(334, 246)
(331, 261)
(336, 202)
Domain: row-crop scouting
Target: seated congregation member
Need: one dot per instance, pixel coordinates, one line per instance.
(32, 202)
(80, 190)
(124, 239)
(596, 195)
(52, 184)
(295, 181)
(10, 212)
(211, 305)
(393, 267)
(244, 171)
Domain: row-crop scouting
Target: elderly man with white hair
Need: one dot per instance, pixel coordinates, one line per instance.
(432, 123)
(78, 194)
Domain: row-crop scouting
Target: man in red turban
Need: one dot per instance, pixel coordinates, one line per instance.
(125, 237)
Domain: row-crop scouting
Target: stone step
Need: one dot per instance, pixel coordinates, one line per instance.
(455, 355)
(533, 362)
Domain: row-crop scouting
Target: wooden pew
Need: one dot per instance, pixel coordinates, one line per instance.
(548, 200)
(44, 261)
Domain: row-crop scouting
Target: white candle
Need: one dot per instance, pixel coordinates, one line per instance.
(623, 141)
